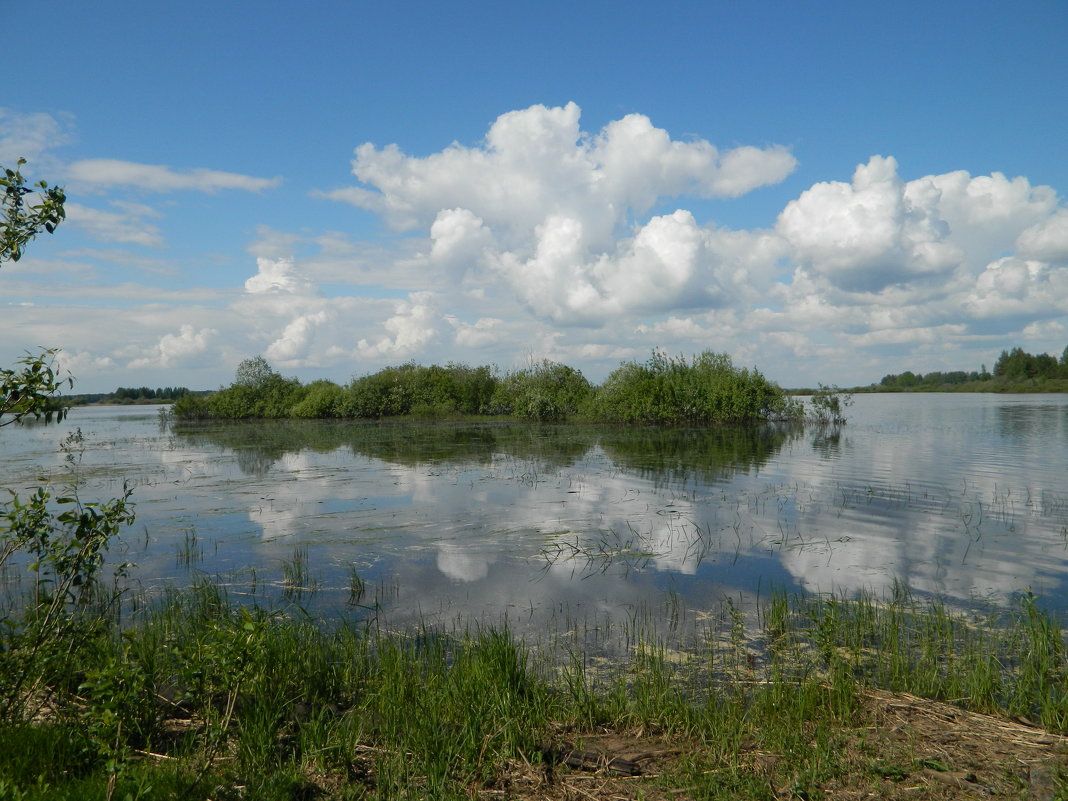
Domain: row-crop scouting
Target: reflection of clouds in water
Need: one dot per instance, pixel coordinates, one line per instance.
(474, 511)
(837, 538)
(460, 564)
(931, 513)
(310, 495)
(291, 499)
(941, 504)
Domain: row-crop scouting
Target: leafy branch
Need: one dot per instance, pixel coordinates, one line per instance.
(20, 221)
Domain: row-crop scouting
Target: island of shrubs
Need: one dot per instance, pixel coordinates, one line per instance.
(664, 390)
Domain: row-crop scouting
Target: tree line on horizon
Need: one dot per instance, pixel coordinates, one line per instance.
(1014, 366)
(121, 396)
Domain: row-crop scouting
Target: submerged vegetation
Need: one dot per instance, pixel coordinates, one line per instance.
(708, 388)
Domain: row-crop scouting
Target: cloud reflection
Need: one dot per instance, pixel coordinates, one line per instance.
(955, 497)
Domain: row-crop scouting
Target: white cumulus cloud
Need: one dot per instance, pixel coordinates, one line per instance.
(409, 329)
(537, 162)
(278, 276)
(81, 362)
(1046, 240)
(173, 349)
(482, 332)
(548, 209)
(871, 233)
(1013, 287)
(291, 348)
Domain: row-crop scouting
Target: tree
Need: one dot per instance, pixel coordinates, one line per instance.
(21, 222)
(254, 372)
(28, 388)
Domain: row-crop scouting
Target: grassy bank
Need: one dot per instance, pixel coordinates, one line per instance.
(198, 698)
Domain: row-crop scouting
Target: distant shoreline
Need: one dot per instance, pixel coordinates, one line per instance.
(993, 386)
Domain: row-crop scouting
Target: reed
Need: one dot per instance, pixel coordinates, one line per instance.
(297, 578)
(190, 551)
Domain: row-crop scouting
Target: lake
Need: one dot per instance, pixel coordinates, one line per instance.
(961, 496)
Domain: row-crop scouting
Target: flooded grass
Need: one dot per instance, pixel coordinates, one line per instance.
(297, 579)
(200, 697)
(190, 551)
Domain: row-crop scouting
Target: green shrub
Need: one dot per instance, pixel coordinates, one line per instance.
(387, 393)
(321, 399)
(257, 392)
(475, 387)
(546, 392)
(664, 390)
(673, 390)
(191, 407)
(432, 391)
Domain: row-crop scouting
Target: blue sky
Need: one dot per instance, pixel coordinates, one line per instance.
(829, 191)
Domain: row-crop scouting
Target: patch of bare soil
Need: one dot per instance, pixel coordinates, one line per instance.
(903, 747)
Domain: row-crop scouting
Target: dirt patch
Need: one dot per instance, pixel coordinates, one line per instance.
(903, 747)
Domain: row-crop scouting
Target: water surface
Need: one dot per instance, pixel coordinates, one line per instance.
(961, 496)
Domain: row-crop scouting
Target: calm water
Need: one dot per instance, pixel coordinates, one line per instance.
(963, 496)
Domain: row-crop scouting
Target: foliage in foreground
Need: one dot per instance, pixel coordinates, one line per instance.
(22, 219)
(664, 390)
(196, 697)
(29, 388)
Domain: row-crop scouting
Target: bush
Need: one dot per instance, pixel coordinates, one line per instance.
(387, 393)
(321, 399)
(708, 389)
(829, 405)
(65, 540)
(546, 392)
(257, 392)
(432, 391)
(664, 390)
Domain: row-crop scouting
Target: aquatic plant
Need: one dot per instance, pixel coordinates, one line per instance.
(829, 403)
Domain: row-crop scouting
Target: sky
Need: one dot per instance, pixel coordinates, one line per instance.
(829, 192)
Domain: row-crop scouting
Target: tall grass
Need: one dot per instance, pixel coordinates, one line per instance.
(199, 698)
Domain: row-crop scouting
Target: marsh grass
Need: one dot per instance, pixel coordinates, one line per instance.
(297, 578)
(357, 586)
(199, 697)
(190, 551)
